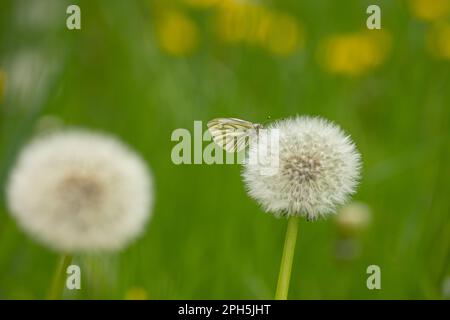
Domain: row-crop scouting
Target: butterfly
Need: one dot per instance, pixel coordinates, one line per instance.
(232, 134)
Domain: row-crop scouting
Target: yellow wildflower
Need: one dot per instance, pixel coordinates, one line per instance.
(284, 35)
(238, 22)
(355, 53)
(438, 42)
(243, 22)
(136, 293)
(203, 3)
(430, 10)
(177, 34)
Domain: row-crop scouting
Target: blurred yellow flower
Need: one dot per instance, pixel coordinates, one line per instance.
(355, 53)
(284, 35)
(244, 22)
(136, 293)
(438, 40)
(238, 22)
(177, 34)
(430, 10)
(2, 85)
(203, 3)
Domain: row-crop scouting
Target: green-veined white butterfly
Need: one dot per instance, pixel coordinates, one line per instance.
(232, 134)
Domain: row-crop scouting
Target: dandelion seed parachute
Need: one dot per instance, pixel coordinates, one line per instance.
(80, 191)
(318, 169)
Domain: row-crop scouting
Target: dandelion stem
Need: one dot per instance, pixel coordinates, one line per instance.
(58, 283)
(284, 276)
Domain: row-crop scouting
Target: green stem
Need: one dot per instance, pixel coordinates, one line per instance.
(284, 276)
(59, 278)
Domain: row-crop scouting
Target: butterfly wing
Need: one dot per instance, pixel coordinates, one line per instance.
(231, 134)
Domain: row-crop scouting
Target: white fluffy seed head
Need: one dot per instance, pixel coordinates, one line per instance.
(353, 218)
(80, 191)
(318, 168)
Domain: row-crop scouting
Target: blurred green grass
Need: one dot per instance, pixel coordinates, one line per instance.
(207, 239)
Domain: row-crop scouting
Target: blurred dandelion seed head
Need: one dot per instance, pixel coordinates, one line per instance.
(177, 34)
(29, 76)
(353, 218)
(80, 191)
(38, 16)
(354, 54)
(318, 169)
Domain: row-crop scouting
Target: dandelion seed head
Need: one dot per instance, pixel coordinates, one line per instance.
(318, 168)
(80, 191)
(353, 218)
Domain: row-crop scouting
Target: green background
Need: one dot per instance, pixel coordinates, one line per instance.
(207, 239)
